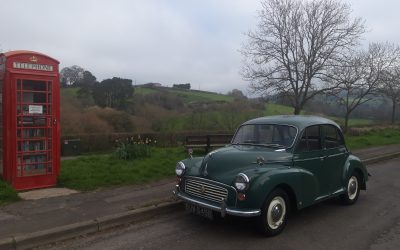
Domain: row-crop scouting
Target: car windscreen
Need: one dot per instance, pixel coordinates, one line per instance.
(266, 135)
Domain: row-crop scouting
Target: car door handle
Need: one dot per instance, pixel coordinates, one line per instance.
(322, 158)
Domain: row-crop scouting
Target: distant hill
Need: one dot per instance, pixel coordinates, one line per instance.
(171, 110)
(187, 95)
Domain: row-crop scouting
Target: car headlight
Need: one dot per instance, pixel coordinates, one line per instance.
(180, 168)
(242, 182)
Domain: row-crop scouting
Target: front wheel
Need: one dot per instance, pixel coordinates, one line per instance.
(274, 213)
(352, 191)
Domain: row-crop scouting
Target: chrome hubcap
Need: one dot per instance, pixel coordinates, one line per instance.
(276, 212)
(352, 188)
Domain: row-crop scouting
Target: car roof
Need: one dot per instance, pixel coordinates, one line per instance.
(299, 121)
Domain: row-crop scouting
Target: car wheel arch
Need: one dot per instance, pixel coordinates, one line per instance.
(289, 191)
(360, 174)
(352, 165)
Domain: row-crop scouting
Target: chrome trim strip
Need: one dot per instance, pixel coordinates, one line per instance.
(322, 197)
(338, 191)
(308, 159)
(235, 212)
(339, 154)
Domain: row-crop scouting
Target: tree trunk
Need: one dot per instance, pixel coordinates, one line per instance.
(346, 123)
(297, 110)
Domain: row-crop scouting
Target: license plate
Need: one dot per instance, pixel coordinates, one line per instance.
(201, 211)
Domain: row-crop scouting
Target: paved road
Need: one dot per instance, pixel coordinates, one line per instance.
(372, 223)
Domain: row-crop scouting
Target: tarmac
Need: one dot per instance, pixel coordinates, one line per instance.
(50, 215)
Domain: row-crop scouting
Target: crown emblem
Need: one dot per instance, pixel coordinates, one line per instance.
(33, 59)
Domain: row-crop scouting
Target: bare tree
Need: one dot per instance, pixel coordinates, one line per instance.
(293, 45)
(391, 88)
(359, 75)
(71, 75)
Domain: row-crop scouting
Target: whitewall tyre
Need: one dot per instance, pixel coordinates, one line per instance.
(274, 213)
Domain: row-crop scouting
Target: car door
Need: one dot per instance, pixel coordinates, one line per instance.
(309, 157)
(335, 153)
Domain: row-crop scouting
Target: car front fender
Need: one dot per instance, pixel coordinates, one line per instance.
(267, 180)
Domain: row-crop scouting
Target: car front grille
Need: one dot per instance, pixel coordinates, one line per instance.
(206, 190)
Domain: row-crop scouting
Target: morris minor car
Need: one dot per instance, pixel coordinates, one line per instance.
(272, 166)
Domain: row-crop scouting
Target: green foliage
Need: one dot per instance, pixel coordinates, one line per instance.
(7, 193)
(91, 172)
(130, 149)
(374, 137)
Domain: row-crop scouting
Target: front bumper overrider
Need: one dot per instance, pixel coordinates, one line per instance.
(223, 209)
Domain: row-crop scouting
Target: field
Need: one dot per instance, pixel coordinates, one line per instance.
(187, 95)
(278, 109)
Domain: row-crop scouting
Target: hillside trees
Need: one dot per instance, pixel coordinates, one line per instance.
(182, 86)
(295, 43)
(113, 93)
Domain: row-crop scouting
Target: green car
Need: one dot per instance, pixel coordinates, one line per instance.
(272, 166)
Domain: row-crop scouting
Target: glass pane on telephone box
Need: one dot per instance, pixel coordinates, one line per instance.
(34, 127)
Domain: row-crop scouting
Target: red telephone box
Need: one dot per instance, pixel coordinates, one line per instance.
(29, 120)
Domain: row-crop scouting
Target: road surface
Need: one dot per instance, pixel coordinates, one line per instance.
(372, 223)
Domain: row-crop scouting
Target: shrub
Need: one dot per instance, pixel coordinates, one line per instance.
(129, 148)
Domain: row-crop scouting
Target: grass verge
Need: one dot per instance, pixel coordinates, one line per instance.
(7, 193)
(91, 172)
(374, 137)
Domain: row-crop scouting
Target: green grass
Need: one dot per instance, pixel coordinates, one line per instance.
(353, 122)
(194, 95)
(187, 95)
(144, 90)
(91, 172)
(278, 109)
(7, 193)
(374, 138)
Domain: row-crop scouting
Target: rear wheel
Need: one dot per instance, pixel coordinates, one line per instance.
(274, 213)
(352, 191)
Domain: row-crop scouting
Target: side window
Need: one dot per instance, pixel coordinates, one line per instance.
(311, 139)
(314, 138)
(333, 137)
(303, 145)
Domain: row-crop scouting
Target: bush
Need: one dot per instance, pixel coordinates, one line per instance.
(133, 149)
(7, 193)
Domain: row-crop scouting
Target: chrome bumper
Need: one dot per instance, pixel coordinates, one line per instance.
(221, 209)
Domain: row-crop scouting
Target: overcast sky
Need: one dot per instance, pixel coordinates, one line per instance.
(165, 41)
